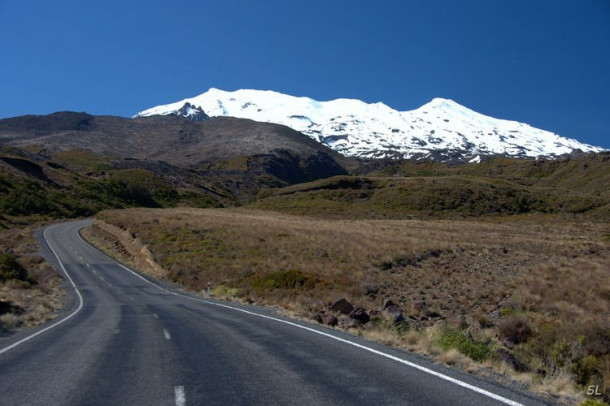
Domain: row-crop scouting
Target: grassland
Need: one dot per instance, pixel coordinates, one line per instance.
(496, 267)
(403, 190)
(30, 288)
(526, 295)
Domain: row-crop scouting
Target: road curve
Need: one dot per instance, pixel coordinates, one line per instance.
(127, 340)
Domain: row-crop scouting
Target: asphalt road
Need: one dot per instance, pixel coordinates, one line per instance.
(127, 340)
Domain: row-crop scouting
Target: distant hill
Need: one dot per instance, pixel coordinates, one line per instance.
(172, 139)
(74, 164)
(239, 156)
(501, 186)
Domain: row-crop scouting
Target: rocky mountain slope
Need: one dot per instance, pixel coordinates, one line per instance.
(440, 130)
(234, 157)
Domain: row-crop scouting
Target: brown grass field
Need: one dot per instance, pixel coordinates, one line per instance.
(527, 296)
(32, 296)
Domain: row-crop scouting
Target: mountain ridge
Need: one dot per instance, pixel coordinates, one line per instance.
(441, 130)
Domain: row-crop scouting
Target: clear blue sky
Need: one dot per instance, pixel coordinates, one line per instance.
(543, 62)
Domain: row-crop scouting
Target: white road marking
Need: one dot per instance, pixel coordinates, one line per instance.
(68, 317)
(179, 396)
(343, 340)
(156, 315)
(166, 334)
(363, 347)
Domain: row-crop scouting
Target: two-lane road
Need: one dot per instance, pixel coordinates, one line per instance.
(130, 341)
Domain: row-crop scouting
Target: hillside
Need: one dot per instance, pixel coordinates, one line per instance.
(521, 295)
(495, 187)
(175, 140)
(116, 162)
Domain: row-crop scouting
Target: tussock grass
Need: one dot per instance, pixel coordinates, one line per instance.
(30, 288)
(534, 286)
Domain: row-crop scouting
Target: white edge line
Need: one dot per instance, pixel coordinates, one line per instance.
(363, 347)
(80, 301)
(179, 396)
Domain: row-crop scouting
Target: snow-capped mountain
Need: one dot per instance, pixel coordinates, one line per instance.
(193, 113)
(441, 129)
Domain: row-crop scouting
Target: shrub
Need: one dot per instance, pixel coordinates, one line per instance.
(467, 345)
(10, 269)
(514, 329)
(560, 353)
(583, 369)
(291, 279)
(593, 402)
(224, 291)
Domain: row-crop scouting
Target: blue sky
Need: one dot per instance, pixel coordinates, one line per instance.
(543, 62)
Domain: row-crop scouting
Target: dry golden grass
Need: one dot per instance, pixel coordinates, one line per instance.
(548, 273)
(30, 304)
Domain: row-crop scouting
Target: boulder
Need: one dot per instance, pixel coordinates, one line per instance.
(329, 320)
(347, 322)
(435, 315)
(342, 306)
(317, 317)
(393, 314)
(360, 314)
(387, 303)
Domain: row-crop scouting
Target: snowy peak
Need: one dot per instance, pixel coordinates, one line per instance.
(441, 129)
(193, 113)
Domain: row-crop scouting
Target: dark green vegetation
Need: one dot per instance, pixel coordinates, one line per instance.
(75, 184)
(74, 164)
(477, 350)
(496, 187)
(11, 269)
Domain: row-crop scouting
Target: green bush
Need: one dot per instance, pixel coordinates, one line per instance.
(593, 402)
(222, 291)
(464, 343)
(583, 369)
(291, 279)
(10, 269)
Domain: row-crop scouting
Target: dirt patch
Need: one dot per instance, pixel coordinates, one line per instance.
(124, 245)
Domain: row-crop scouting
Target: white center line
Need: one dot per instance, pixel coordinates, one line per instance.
(348, 342)
(180, 396)
(168, 337)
